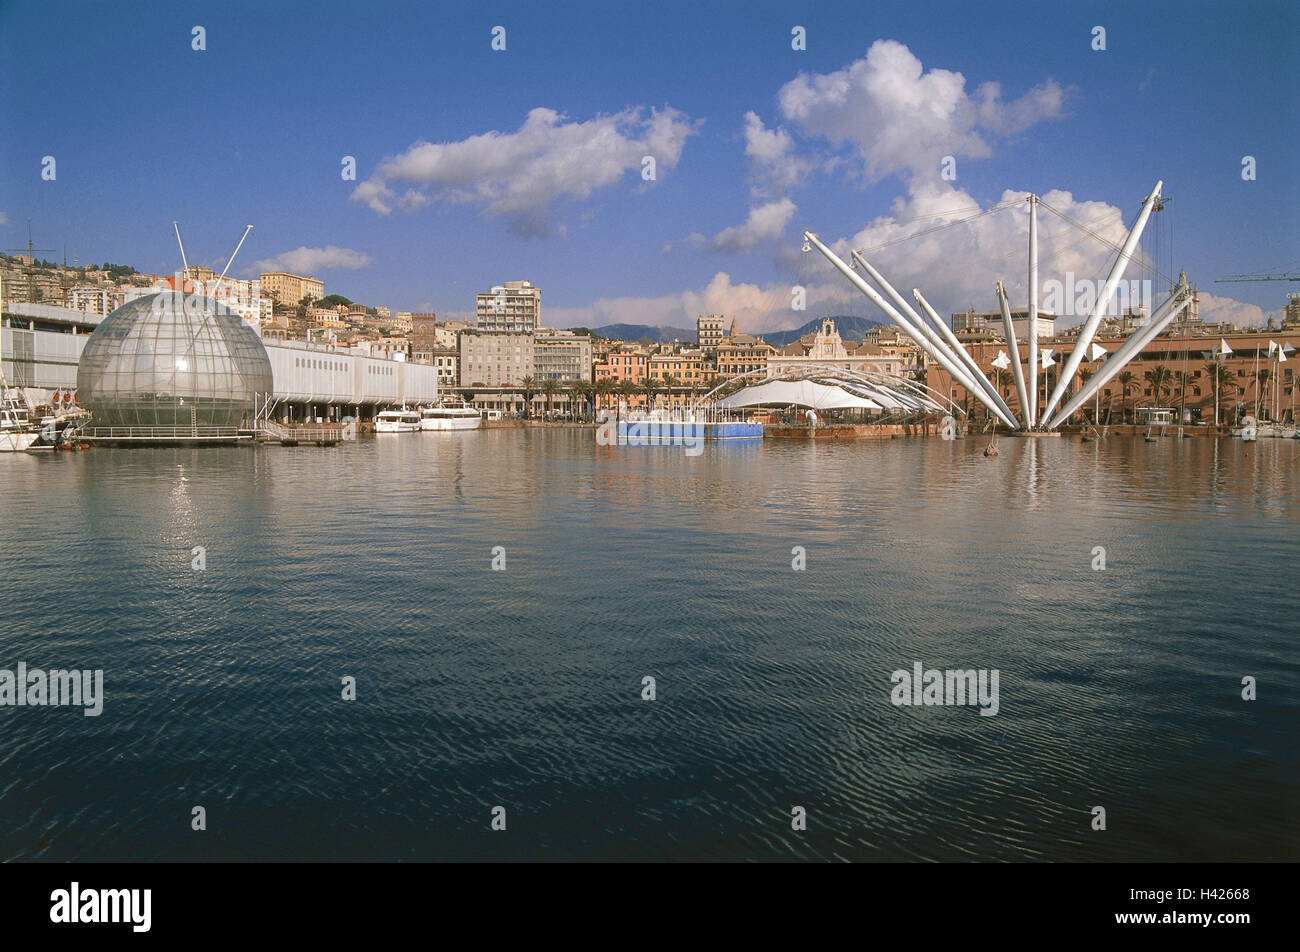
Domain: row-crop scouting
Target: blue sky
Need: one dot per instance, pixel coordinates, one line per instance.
(145, 130)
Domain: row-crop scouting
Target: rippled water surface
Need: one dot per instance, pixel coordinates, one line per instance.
(522, 688)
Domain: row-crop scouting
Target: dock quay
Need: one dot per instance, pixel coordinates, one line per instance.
(323, 434)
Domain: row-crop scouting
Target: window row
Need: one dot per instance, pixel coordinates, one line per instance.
(311, 363)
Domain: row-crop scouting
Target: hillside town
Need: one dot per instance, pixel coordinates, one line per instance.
(506, 360)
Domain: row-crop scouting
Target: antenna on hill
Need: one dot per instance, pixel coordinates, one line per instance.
(29, 266)
(247, 229)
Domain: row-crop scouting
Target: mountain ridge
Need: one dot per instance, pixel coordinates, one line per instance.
(850, 327)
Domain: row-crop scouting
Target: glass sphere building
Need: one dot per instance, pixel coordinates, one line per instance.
(173, 360)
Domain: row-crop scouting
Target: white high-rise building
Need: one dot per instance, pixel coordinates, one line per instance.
(515, 306)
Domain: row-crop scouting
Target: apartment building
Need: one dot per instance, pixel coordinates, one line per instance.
(514, 307)
(561, 355)
(289, 289)
(709, 332)
(495, 358)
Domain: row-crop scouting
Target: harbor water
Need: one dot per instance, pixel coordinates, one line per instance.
(500, 598)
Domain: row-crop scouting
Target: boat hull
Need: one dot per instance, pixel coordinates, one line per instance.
(439, 424)
(12, 442)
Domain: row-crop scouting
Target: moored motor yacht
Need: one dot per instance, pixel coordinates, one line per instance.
(450, 416)
(397, 421)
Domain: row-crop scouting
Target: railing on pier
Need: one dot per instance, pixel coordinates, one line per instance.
(311, 433)
(158, 433)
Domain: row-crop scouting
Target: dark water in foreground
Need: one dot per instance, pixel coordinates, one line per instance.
(475, 688)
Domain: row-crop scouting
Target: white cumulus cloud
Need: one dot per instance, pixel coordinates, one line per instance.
(304, 260)
(898, 117)
(773, 161)
(881, 115)
(520, 175)
(755, 307)
(764, 223)
(1224, 310)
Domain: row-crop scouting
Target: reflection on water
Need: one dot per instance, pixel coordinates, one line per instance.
(523, 688)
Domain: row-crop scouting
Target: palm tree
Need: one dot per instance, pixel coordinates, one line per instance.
(629, 390)
(604, 387)
(1125, 380)
(669, 383)
(550, 387)
(578, 391)
(1158, 376)
(587, 391)
(529, 386)
(649, 386)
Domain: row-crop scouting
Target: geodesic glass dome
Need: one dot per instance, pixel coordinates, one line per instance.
(172, 359)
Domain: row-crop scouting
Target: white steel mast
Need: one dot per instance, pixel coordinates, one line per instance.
(973, 378)
(1164, 314)
(1033, 313)
(940, 354)
(1107, 291)
(1014, 347)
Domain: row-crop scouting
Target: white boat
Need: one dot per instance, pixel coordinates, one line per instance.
(1279, 431)
(397, 421)
(16, 431)
(450, 417)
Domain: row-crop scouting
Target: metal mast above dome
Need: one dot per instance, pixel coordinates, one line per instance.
(174, 367)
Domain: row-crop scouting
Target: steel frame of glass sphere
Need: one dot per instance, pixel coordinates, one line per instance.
(173, 360)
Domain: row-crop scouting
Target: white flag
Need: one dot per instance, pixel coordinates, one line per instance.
(1272, 346)
(1223, 349)
(1002, 361)
(1096, 352)
(1046, 358)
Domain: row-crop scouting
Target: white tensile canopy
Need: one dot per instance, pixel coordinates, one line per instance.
(802, 393)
